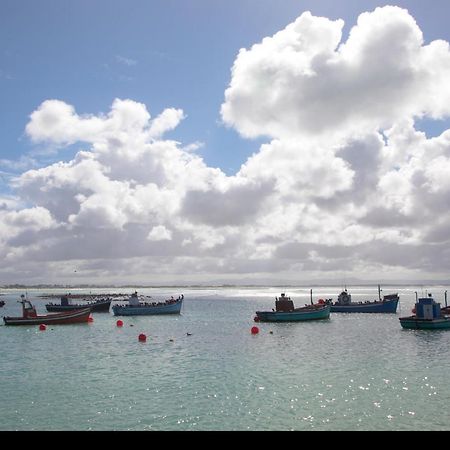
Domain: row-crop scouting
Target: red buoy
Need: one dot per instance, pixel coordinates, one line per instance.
(90, 319)
(42, 327)
(255, 330)
(142, 337)
(119, 323)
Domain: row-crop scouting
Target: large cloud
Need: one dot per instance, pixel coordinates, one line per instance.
(346, 184)
(304, 80)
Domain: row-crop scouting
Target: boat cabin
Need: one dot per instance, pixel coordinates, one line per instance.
(134, 299)
(428, 309)
(65, 301)
(284, 304)
(344, 298)
(28, 310)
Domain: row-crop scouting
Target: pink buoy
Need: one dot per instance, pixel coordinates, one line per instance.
(42, 327)
(142, 337)
(254, 330)
(119, 323)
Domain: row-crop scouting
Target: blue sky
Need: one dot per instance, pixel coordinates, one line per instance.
(333, 180)
(163, 53)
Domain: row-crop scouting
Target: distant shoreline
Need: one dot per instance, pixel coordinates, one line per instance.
(229, 286)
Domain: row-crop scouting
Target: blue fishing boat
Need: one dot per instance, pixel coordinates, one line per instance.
(141, 306)
(286, 312)
(386, 305)
(428, 316)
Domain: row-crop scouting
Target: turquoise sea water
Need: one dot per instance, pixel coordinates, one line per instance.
(353, 372)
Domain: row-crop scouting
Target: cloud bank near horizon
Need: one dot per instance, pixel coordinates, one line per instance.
(345, 184)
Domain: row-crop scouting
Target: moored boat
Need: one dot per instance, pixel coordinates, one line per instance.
(446, 309)
(286, 312)
(101, 305)
(30, 317)
(136, 307)
(428, 316)
(386, 305)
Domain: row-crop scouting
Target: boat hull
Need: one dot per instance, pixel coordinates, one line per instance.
(413, 323)
(94, 307)
(383, 307)
(66, 318)
(144, 310)
(294, 316)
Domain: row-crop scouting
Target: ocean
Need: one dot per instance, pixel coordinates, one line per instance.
(204, 370)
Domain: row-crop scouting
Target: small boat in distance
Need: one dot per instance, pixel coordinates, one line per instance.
(386, 305)
(428, 316)
(101, 305)
(139, 306)
(30, 317)
(286, 312)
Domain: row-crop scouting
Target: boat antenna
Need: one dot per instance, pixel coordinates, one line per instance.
(311, 297)
(417, 296)
(379, 293)
(446, 299)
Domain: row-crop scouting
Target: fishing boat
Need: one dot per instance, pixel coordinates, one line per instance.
(386, 305)
(428, 316)
(446, 309)
(30, 317)
(286, 312)
(101, 305)
(141, 306)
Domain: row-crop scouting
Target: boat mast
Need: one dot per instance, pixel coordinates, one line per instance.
(379, 293)
(446, 299)
(311, 297)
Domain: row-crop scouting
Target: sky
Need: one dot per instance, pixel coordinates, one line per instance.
(235, 142)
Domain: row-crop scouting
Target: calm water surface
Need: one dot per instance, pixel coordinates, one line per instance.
(353, 372)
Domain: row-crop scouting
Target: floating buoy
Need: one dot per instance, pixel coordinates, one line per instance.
(255, 330)
(270, 332)
(256, 319)
(42, 327)
(119, 323)
(90, 319)
(142, 337)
